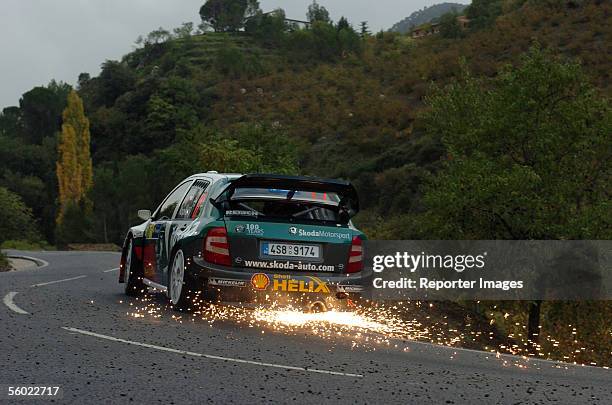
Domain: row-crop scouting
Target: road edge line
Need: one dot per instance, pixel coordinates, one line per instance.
(8, 301)
(209, 356)
(57, 281)
(110, 270)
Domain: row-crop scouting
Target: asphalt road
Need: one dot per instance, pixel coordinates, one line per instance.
(77, 334)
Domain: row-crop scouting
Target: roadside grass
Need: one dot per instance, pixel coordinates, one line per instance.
(4, 263)
(43, 245)
(94, 247)
(26, 245)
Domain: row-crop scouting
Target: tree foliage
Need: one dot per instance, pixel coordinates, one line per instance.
(17, 221)
(529, 155)
(482, 13)
(364, 29)
(269, 28)
(74, 171)
(228, 15)
(318, 13)
(114, 80)
(40, 109)
(449, 26)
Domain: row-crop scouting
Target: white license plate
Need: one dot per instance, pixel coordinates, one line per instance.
(290, 250)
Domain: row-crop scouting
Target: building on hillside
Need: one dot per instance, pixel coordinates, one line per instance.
(428, 29)
(291, 23)
(425, 30)
(463, 21)
(297, 24)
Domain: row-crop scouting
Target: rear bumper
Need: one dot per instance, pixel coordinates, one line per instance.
(260, 281)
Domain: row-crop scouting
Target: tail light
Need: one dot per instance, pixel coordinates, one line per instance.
(355, 261)
(216, 247)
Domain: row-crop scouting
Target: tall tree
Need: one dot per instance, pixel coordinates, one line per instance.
(228, 15)
(364, 30)
(41, 110)
(74, 167)
(317, 12)
(343, 24)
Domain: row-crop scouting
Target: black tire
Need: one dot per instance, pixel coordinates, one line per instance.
(133, 278)
(183, 300)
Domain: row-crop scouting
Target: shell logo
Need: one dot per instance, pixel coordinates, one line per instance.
(260, 281)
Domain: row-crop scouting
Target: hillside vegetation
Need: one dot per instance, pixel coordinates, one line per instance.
(426, 15)
(331, 103)
(419, 126)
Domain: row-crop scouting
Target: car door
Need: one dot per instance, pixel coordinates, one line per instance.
(188, 211)
(158, 235)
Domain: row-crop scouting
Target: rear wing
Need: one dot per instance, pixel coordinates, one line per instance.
(349, 201)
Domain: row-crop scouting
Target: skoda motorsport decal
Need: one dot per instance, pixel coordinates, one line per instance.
(288, 283)
(319, 233)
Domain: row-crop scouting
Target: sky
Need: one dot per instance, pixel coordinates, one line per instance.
(43, 40)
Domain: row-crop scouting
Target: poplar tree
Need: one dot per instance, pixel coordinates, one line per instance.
(74, 167)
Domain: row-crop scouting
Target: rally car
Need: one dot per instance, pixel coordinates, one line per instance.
(249, 236)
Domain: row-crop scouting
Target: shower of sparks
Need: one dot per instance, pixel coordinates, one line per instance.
(365, 326)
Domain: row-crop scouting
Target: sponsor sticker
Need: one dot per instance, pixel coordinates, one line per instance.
(226, 282)
(149, 231)
(241, 213)
(260, 281)
(249, 229)
(308, 284)
(350, 288)
(253, 229)
(287, 265)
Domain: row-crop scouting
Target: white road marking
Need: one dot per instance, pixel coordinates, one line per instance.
(109, 270)
(209, 356)
(57, 281)
(8, 301)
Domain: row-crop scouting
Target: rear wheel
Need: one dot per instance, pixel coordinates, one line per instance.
(179, 289)
(133, 281)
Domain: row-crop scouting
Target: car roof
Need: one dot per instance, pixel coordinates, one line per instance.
(215, 176)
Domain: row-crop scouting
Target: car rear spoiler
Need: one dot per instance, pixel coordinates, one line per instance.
(349, 201)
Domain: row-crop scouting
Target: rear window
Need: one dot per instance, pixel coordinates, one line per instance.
(284, 204)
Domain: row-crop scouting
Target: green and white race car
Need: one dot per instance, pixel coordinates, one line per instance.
(250, 238)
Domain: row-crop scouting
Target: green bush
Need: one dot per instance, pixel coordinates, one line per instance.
(233, 62)
(76, 225)
(17, 221)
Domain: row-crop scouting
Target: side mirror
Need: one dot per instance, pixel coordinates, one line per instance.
(144, 214)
